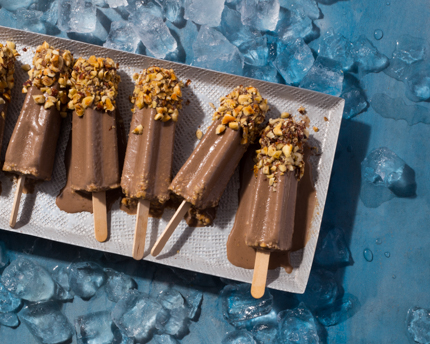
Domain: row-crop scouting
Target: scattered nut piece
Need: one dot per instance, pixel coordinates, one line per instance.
(199, 134)
(138, 130)
(302, 110)
(316, 129)
(220, 129)
(212, 106)
(26, 67)
(285, 115)
(158, 116)
(325, 119)
(39, 99)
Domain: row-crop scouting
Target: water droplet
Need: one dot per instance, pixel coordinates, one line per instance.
(368, 255)
(388, 3)
(378, 34)
(394, 276)
(378, 241)
(387, 254)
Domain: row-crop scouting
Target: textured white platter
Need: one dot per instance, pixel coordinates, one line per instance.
(198, 249)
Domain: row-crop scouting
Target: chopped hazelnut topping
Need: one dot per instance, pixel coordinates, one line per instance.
(7, 68)
(325, 119)
(158, 88)
(26, 67)
(302, 110)
(220, 129)
(138, 130)
(242, 108)
(199, 134)
(316, 129)
(285, 115)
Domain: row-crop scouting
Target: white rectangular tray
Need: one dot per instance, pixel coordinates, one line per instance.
(198, 249)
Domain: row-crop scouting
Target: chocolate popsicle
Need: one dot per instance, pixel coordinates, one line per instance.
(279, 167)
(94, 165)
(146, 175)
(31, 150)
(204, 176)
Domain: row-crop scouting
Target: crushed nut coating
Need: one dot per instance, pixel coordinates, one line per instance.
(242, 108)
(160, 89)
(94, 83)
(7, 68)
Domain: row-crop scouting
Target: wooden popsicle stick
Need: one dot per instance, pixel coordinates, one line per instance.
(259, 279)
(170, 228)
(140, 229)
(100, 216)
(16, 200)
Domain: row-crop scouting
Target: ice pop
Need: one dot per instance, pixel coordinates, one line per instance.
(279, 166)
(204, 176)
(146, 175)
(31, 150)
(94, 165)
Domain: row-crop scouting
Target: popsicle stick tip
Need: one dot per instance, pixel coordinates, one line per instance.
(100, 216)
(16, 200)
(140, 229)
(259, 278)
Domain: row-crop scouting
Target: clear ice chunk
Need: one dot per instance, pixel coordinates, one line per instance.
(64, 11)
(239, 337)
(266, 73)
(367, 57)
(118, 284)
(9, 319)
(204, 12)
(185, 37)
(417, 82)
(262, 15)
(178, 323)
(122, 37)
(30, 20)
(355, 98)
(292, 24)
(8, 18)
(51, 14)
(85, 278)
(28, 280)
(309, 7)
(13, 5)
(173, 10)
(339, 311)
(94, 328)
(164, 339)
(298, 326)
(8, 301)
(266, 333)
(46, 322)
(332, 250)
(83, 16)
(213, 51)
(116, 3)
(325, 76)
(60, 274)
(338, 48)
(294, 61)
(4, 257)
(98, 36)
(397, 69)
(418, 322)
(410, 49)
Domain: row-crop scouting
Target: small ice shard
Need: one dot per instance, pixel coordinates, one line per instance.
(368, 254)
(46, 322)
(294, 62)
(116, 3)
(325, 76)
(164, 339)
(85, 278)
(154, 34)
(28, 280)
(9, 319)
(139, 316)
(417, 82)
(411, 49)
(122, 37)
(118, 284)
(185, 38)
(266, 73)
(61, 277)
(355, 98)
(397, 109)
(8, 301)
(309, 7)
(51, 14)
(30, 20)
(397, 69)
(297, 326)
(13, 5)
(173, 9)
(293, 24)
(82, 16)
(239, 337)
(367, 57)
(204, 12)
(8, 18)
(418, 322)
(4, 257)
(383, 168)
(339, 311)
(338, 48)
(94, 328)
(179, 320)
(262, 15)
(239, 305)
(213, 51)
(332, 250)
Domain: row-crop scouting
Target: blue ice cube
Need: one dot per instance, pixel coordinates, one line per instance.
(118, 284)
(262, 15)
(13, 5)
(83, 16)
(417, 81)
(30, 20)
(94, 328)
(46, 322)
(213, 51)
(116, 3)
(410, 49)
(64, 11)
(154, 34)
(338, 48)
(292, 24)
(294, 61)
(85, 278)
(60, 274)
(186, 35)
(9, 319)
(355, 98)
(164, 339)
(112, 15)
(28, 280)
(173, 10)
(139, 316)
(309, 7)
(142, 8)
(266, 73)
(51, 14)
(98, 36)
(297, 326)
(397, 69)
(339, 311)
(418, 322)
(332, 250)
(266, 333)
(8, 18)
(122, 37)
(367, 57)
(239, 305)
(178, 323)
(4, 257)
(239, 337)
(204, 12)
(8, 301)
(325, 76)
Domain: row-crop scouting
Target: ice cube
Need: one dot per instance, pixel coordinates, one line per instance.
(139, 316)
(332, 250)
(397, 69)
(173, 10)
(294, 61)
(94, 328)
(204, 12)
(122, 37)
(292, 24)
(116, 3)
(46, 322)
(417, 82)
(141, 8)
(325, 76)
(164, 339)
(339, 311)
(8, 18)
(60, 274)
(64, 11)
(30, 20)
(239, 305)
(13, 5)
(297, 326)
(262, 15)
(111, 15)
(8, 301)
(418, 322)
(213, 51)
(4, 257)
(266, 333)
(178, 323)
(9, 319)
(410, 49)
(367, 57)
(154, 34)
(98, 36)
(28, 280)
(355, 98)
(383, 167)
(338, 48)
(309, 7)
(186, 35)
(83, 16)
(239, 337)
(266, 73)
(51, 14)
(118, 284)
(85, 278)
